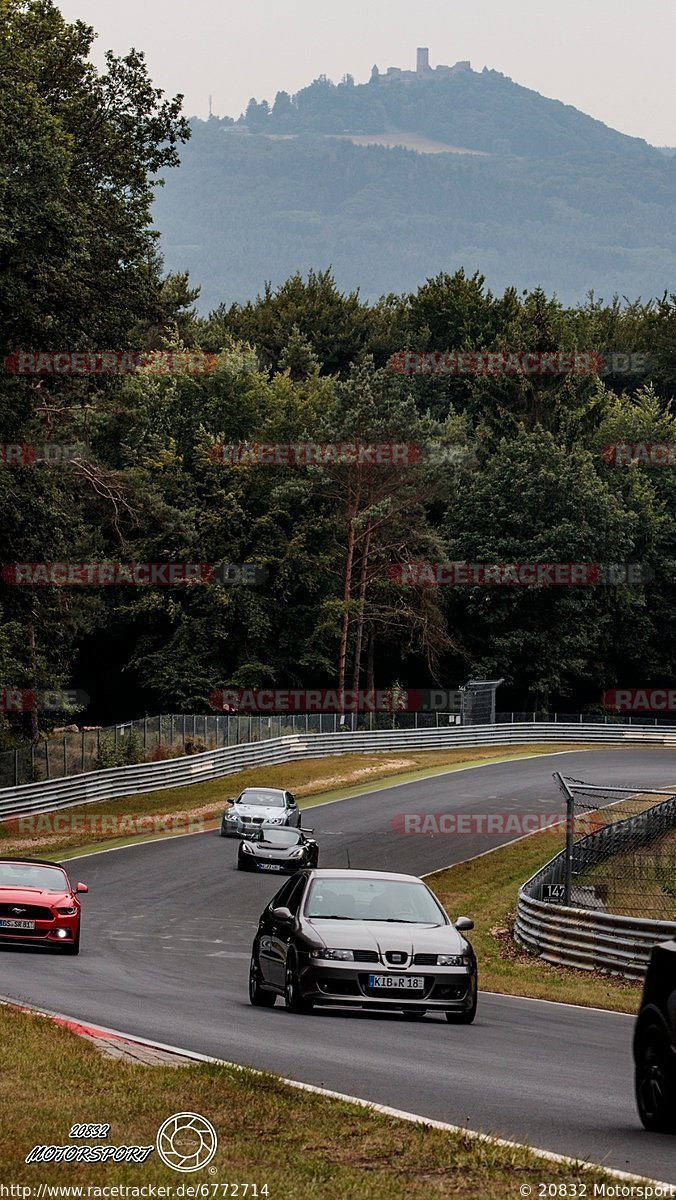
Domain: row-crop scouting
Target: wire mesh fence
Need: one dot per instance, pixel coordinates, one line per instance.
(72, 752)
(621, 852)
(154, 738)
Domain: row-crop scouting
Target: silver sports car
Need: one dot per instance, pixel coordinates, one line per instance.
(258, 806)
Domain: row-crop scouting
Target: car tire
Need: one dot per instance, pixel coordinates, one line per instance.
(655, 1080)
(293, 1000)
(462, 1018)
(73, 947)
(257, 994)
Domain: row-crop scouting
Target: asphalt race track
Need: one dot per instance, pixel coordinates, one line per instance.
(166, 939)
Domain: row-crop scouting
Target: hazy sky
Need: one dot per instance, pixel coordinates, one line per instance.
(614, 59)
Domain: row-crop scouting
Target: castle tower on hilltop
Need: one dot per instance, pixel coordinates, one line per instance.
(423, 70)
(422, 64)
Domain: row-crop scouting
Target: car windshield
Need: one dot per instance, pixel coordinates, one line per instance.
(354, 899)
(27, 875)
(281, 837)
(265, 799)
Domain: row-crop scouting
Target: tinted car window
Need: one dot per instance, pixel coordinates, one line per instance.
(281, 837)
(266, 799)
(281, 899)
(373, 900)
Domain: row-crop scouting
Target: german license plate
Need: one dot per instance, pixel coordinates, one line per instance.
(17, 924)
(269, 867)
(407, 983)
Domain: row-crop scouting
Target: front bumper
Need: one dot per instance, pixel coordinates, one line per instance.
(45, 932)
(249, 862)
(446, 989)
(243, 829)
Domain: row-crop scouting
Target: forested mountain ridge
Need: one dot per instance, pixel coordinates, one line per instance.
(480, 110)
(549, 197)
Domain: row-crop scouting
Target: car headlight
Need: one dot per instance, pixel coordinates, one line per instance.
(230, 816)
(67, 912)
(299, 853)
(339, 955)
(452, 960)
(246, 848)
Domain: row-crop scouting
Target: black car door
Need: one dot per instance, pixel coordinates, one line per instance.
(268, 931)
(282, 932)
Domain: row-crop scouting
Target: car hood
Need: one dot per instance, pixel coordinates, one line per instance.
(256, 810)
(23, 895)
(386, 935)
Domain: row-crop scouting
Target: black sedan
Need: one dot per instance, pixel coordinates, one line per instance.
(655, 1043)
(365, 938)
(272, 848)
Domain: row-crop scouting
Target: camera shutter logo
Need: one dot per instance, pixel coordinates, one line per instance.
(186, 1142)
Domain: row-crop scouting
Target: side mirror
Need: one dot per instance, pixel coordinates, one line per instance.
(81, 887)
(283, 915)
(463, 923)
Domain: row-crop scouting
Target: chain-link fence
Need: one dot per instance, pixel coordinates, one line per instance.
(620, 854)
(167, 736)
(74, 752)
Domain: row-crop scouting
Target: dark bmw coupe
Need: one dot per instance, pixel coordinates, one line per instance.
(277, 849)
(365, 938)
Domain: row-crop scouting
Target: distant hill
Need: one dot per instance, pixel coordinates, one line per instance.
(553, 198)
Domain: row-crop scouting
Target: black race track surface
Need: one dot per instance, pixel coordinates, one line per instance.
(168, 929)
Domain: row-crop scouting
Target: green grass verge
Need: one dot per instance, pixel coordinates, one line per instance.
(301, 1145)
(111, 823)
(485, 889)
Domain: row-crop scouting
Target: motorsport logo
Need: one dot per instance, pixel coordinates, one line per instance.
(184, 1142)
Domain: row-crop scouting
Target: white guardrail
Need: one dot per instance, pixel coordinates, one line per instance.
(113, 782)
(571, 937)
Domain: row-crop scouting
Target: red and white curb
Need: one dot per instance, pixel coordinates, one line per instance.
(165, 1055)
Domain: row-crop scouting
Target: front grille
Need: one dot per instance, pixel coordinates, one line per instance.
(29, 912)
(365, 956)
(396, 958)
(425, 960)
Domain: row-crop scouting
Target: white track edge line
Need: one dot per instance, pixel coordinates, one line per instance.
(384, 1109)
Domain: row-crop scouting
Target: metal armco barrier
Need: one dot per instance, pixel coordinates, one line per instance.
(576, 937)
(113, 782)
(581, 937)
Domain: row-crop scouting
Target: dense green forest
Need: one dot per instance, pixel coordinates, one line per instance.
(306, 361)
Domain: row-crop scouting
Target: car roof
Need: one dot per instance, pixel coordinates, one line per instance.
(347, 873)
(33, 862)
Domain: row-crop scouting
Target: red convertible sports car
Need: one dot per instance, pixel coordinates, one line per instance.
(38, 905)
